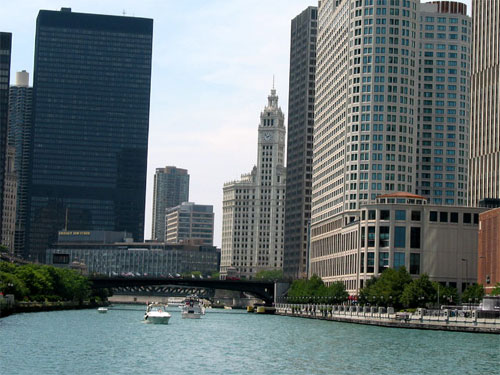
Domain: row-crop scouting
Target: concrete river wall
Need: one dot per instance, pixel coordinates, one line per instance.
(449, 320)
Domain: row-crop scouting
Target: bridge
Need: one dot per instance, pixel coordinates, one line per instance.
(264, 290)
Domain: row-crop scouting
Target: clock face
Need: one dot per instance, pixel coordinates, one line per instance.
(267, 136)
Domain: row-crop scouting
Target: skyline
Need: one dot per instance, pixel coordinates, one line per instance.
(219, 57)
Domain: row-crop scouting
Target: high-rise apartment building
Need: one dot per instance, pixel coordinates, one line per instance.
(91, 92)
(5, 52)
(9, 201)
(443, 103)
(485, 109)
(171, 188)
(300, 142)
(20, 125)
(190, 222)
(253, 208)
(391, 119)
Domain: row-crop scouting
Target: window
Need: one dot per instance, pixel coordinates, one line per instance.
(443, 217)
(60, 259)
(415, 237)
(415, 215)
(385, 215)
(400, 215)
(384, 237)
(371, 236)
(371, 215)
(414, 264)
(454, 217)
(370, 264)
(399, 260)
(476, 218)
(383, 261)
(400, 237)
(362, 265)
(433, 216)
(467, 218)
(363, 236)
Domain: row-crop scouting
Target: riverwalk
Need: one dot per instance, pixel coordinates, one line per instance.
(446, 319)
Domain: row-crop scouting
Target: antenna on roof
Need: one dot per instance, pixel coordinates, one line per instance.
(273, 81)
(124, 13)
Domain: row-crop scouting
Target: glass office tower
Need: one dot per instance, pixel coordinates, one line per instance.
(91, 87)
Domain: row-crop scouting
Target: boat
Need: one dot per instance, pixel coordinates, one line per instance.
(192, 308)
(156, 313)
(102, 310)
(228, 308)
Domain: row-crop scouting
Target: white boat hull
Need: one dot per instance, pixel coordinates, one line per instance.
(157, 319)
(188, 315)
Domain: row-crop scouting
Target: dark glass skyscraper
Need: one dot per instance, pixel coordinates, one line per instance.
(5, 52)
(300, 142)
(20, 125)
(91, 88)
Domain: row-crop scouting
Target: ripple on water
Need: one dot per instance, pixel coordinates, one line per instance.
(230, 342)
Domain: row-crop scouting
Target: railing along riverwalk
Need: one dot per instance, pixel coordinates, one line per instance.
(446, 319)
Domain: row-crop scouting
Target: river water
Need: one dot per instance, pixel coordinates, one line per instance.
(231, 342)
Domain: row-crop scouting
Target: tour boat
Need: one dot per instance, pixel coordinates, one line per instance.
(156, 313)
(102, 310)
(192, 308)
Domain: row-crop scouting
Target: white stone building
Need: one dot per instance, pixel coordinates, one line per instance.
(253, 207)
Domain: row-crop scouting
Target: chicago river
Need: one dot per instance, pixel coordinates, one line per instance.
(230, 342)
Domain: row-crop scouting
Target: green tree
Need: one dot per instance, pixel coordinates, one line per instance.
(473, 293)
(215, 275)
(10, 284)
(496, 290)
(269, 275)
(387, 288)
(419, 292)
(447, 294)
(4, 249)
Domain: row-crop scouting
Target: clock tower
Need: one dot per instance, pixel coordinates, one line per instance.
(254, 207)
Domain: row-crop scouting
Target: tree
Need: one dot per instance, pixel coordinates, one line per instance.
(418, 293)
(315, 290)
(4, 249)
(446, 295)
(271, 275)
(473, 293)
(496, 290)
(387, 288)
(10, 284)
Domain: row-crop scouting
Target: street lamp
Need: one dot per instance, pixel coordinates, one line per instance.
(466, 271)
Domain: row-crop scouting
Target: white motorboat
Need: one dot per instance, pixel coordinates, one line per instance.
(102, 310)
(192, 308)
(156, 313)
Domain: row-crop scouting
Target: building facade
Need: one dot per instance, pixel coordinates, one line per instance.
(133, 259)
(91, 92)
(489, 249)
(300, 142)
(20, 125)
(9, 201)
(171, 188)
(485, 109)
(443, 103)
(253, 208)
(190, 222)
(397, 230)
(5, 53)
(390, 114)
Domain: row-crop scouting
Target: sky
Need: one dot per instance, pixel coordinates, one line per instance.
(213, 67)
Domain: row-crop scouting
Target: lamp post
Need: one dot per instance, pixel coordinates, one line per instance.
(466, 272)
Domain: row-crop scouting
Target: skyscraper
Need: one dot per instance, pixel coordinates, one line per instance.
(90, 128)
(443, 103)
(485, 116)
(300, 142)
(390, 118)
(190, 221)
(171, 188)
(20, 125)
(5, 52)
(253, 208)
